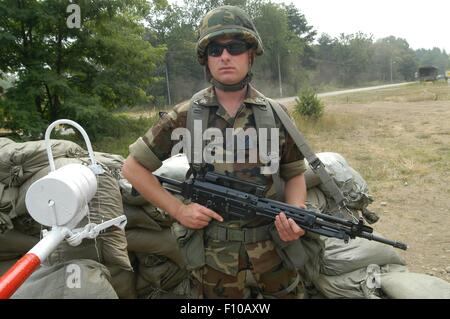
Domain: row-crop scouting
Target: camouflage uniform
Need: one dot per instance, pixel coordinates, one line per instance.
(226, 262)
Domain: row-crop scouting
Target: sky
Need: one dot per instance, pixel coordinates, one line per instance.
(423, 24)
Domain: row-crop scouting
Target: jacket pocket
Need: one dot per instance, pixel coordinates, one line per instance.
(292, 253)
(190, 242)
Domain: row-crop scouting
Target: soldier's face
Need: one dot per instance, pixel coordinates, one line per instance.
(227, 68)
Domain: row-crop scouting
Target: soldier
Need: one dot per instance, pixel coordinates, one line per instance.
(222, 250)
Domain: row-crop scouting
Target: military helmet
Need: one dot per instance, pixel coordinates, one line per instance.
(226, 20)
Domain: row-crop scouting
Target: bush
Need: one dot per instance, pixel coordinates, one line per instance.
(309, 105)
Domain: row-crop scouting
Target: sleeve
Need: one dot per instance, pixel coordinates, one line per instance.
(156, 144)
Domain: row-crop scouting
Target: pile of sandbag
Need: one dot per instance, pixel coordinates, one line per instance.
(21, 164)
(158, 264)
(352, 185)
(363, 269)
(145, 262)
(74, 279)
(147, 265)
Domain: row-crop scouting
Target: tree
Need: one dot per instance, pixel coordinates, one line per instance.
(434, 57)
(171, 26)
(79, 73)
(344, 60)
(287, 40)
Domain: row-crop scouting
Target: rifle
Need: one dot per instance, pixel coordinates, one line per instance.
(217, 192)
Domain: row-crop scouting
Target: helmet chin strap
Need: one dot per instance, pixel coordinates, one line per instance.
(232, 87)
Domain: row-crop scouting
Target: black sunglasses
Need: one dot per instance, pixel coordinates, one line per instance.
(234, 48)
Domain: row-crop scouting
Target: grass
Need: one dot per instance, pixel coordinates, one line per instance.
(385, 151)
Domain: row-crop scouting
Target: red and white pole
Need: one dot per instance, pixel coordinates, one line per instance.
(25, 266)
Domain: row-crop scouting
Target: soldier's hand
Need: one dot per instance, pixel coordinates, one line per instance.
(287, 228)
(196, 216)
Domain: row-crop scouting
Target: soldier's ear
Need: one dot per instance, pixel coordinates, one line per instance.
(251, 56)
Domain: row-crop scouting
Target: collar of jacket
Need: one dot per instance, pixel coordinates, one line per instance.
(209, 98)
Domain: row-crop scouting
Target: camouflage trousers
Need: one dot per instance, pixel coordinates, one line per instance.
(276, 282)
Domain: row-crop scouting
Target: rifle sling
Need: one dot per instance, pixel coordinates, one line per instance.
(314, 162)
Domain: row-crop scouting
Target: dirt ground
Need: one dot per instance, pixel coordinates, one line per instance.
(403, 151)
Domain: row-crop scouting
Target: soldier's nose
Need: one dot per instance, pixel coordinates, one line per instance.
(225, 55)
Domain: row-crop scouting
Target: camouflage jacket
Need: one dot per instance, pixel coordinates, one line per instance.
(156, 145)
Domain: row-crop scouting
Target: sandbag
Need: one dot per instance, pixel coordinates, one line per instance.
(351, 285)
(20, 207)
(20, 161)
(314, 247)
(123, 282)
(409, 285)
(181, 291)
(112, 162)
(161, 243)
(156, 275)
(349, 181)
(128, 197)
(316, 199)
(357, 191)
(27, 225)
(139, 218)
(14, 244)
(341, 258)
(105, 205)
(76, 279)
(162, 217)
(5, 141)
(5, 265)
(5, 223)
(363, 283)
(174, 167)
(8, 197)
(312, 180)
(158, 215)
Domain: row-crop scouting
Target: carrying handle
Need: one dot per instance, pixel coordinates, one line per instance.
(48, 146)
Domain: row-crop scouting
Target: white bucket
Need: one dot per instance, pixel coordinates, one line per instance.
(61, 197)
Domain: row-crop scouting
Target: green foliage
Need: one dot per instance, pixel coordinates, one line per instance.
(309, 105)
(76, 73)
(124, 131)
(287, 40)
(345, 60)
